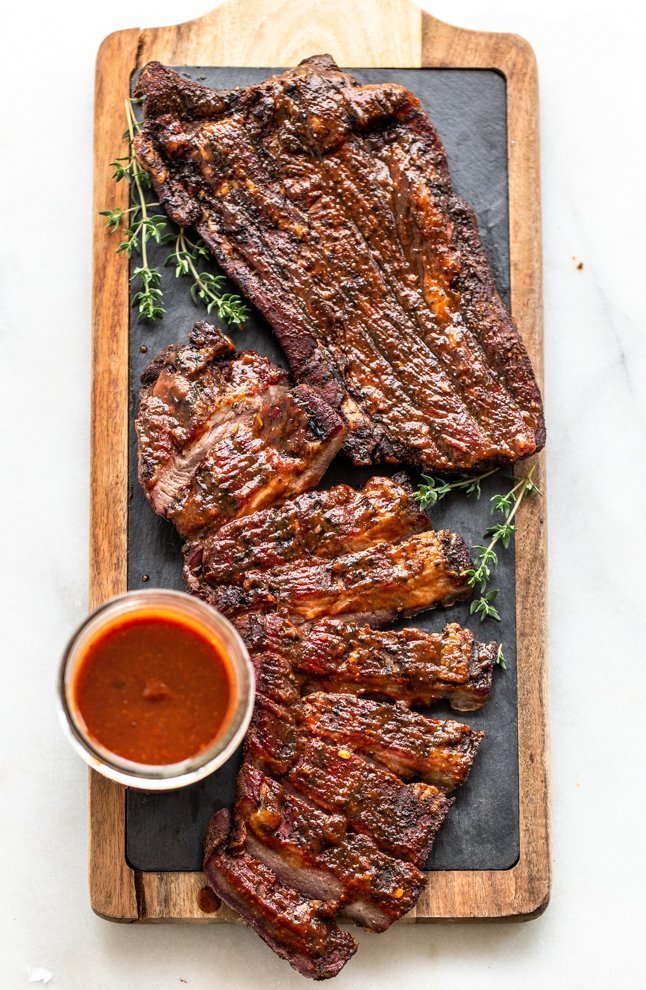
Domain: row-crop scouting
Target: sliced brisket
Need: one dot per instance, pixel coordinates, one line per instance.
(297, 928)
(331, 205)
(316, 524)
(221, 435)
(407, 665)
(376, 584)
(341, 656)
(439, 751)
(323, 825)
(316, 854)
(402, 819)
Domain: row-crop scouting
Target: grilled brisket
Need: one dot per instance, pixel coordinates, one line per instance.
(402, 819)
(331, 205)
(405, 665)
(295, 927)
(439, 751)
(316, 524)
(221, 435)
(377, 584)
(316, 854)
(322, 819)
(341, 656)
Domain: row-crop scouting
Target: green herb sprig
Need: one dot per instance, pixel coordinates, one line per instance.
(140, 226)
(486, 558)
(433, 490)
(206, 286)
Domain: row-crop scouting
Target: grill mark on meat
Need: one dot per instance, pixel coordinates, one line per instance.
(404, 386)
(402, 819)
(331, 204)
(483, 309)
(411, 364)
(315, 524)
(379, 583)
(387, 394)
(272, 737)
(295, 927)
(443, 334)
(439, 751)
(222, 435)
(408, 665)
(337, 656)
(316, 854)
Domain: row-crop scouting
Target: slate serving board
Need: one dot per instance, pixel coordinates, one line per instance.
(164, 832)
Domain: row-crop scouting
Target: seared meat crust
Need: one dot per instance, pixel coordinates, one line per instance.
(325, 554)
(221, 435)
(331, 205)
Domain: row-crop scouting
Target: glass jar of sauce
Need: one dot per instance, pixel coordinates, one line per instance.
(156, 689)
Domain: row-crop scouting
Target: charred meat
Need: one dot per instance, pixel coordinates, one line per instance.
(323, 823)
(316, 524)
(341, 656)
(402, 819)
(297, 928)
(317, 854)
(221, 434)
(332, 207)
(407, 665)
(373, 560)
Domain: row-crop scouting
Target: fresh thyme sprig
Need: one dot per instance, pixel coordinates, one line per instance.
(139, 226)
(435, 489)
(142, 225)
(486, 558)
(206, 286)
(500, 658)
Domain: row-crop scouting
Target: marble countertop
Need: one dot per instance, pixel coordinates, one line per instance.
(590, 61)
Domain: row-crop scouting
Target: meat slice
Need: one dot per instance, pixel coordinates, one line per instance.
(440, 752)
(272, 737)
(316, 524)
(272, 641)
(295, 927)
(402, 819)
(221, 435)
(315, 853)
(407, 665)
(332, 207)
(337, 656)
(377, 584)
(322, 823)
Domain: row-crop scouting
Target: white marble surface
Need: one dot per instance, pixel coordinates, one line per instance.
(592, 935)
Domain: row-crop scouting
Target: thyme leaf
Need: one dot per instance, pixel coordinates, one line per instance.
(485, 557)
(433, 490)
(139, 227)
(484, 606)
(206, 287)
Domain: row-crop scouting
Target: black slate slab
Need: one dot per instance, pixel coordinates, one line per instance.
(164, 831)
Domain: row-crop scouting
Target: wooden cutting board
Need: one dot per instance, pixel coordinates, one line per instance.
(385, 34)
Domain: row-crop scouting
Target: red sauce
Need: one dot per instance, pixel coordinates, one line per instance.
(154, 687)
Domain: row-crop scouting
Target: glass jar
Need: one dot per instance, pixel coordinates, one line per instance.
(142, 775)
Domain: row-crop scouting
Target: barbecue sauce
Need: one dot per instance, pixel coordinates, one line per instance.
(154, 687)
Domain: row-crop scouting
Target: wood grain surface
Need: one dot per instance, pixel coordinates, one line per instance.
(375, 33)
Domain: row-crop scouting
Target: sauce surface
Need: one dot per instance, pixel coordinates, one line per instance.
(154, 688)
